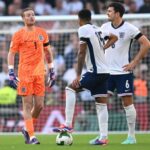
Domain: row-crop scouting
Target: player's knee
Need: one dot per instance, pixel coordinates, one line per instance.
(39, 106)
(127, 101)
(27, 107)
(70, 88)
(101, 100)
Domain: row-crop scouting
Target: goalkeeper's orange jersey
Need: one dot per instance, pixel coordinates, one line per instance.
(30, 46)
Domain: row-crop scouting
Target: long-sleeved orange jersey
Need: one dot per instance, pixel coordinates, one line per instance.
(30, 46)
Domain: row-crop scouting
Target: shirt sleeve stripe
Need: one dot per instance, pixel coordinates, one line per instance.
(83, 39)
(46, 44)
(138, 36)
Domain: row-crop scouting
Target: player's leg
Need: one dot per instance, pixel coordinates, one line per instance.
(38, 99)
(99, 91)
(69, 110)
(131, 119)
(25, 88)
(38, 90)
(37, 107)
(102, 114)
(125, 91)
(28, 132)
(70, 104)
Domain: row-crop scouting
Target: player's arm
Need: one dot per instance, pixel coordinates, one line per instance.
(13, 80)
(48, 56)
(111, 40)
(49, 59)
(80, 63)
(81, 58)
(11, 58)
(14, 48)
(144, 48)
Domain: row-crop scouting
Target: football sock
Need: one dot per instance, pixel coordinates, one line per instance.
(70, 106)
(29, 127)
(102, 114)
(131, 119)
(34, 121)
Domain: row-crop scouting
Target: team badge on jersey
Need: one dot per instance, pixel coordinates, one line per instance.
(41, 38)
(121, 35)
(23, 89)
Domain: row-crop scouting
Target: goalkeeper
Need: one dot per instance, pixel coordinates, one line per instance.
(32, 44)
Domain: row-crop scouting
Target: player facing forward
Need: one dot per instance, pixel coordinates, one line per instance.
(91, 52)
(120, 66)
(32, 44)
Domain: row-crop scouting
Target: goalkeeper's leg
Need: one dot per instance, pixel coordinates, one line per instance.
(27, 107)
(38, 99)
(28, 132)
(37, 107)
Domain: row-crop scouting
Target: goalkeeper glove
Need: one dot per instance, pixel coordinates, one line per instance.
(51, 77)
(13, 80)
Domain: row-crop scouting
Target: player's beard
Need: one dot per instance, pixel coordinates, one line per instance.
(108, 17)
(30, 24)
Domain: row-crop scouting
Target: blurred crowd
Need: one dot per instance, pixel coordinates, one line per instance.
(66, 7)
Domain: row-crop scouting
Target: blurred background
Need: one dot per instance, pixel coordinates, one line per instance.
(59, 19)
(67, 7)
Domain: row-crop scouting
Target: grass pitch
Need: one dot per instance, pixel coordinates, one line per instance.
(16, 142)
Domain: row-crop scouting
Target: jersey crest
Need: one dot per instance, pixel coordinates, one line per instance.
(41, 38)
(121, 35)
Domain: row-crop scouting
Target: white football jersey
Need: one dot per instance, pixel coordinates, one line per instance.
(95, 57)
(118, 54)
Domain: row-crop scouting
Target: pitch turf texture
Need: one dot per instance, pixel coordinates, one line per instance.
(16, 142)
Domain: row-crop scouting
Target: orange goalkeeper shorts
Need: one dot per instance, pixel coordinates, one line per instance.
(31, 85)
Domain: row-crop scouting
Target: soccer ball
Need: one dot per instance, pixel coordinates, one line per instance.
(64, 138)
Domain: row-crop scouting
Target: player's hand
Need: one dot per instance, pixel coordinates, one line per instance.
(130, 66)
(76, 82)
(13, 80)
(51, 77)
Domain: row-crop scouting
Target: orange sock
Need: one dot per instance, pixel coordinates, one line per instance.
(34, 121)
(29, 127)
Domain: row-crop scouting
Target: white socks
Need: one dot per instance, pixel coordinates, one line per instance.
(131, 119)
(102, 113)
(70, 106)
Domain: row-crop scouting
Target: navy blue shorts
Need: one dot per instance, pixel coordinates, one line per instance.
(122, 83)
(97, 84)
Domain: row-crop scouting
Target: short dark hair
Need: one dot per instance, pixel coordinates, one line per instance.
(26, 9)
(85, 14)
(118, 7)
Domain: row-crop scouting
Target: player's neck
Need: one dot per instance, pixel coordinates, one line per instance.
(29, 28)
(117, 22)
(84, 23)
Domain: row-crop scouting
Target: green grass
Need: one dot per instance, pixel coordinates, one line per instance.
(15, 142)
